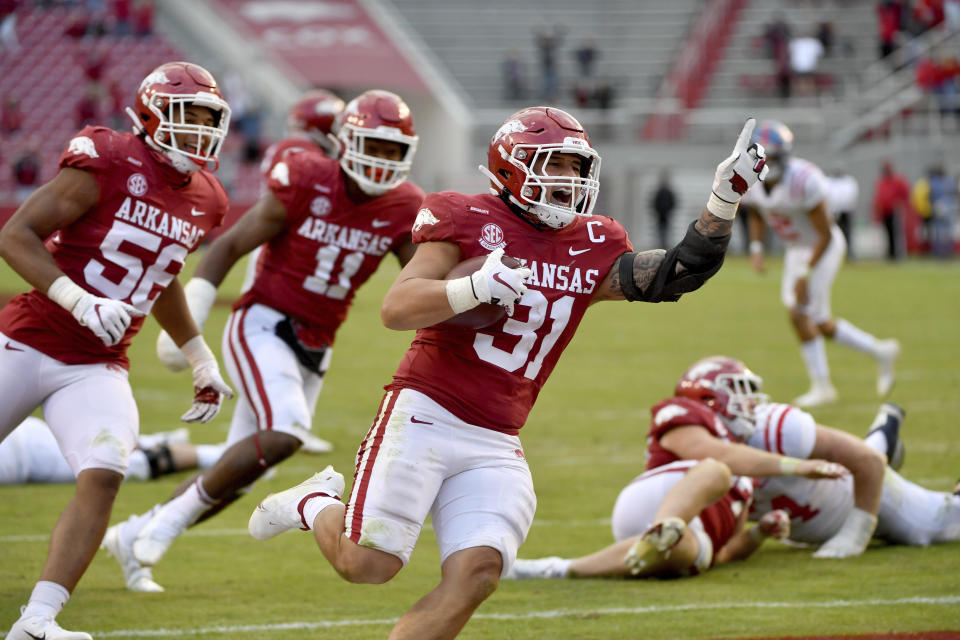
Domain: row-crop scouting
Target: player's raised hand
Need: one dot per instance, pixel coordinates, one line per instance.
(499, 284)
(743, 168)
(208, 392)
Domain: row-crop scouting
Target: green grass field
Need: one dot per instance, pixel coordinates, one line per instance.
(584, 441)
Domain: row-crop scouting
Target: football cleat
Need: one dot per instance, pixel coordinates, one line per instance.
(313, 444)
(551, 567)
(283, 511)
(887, 353)
(157, 536)
(655, 543)
(888, 421)
(137, 576)
(819, 394)
(37, 628)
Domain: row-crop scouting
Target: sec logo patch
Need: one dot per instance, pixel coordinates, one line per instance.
(137, 184)
(491, 237)
(320, 206)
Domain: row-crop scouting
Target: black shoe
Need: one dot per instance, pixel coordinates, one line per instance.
(888, 420)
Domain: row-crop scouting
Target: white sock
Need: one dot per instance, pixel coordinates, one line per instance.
(131, 528)
(562, 567)
(208, 454)
(188, 506)
(314, 506)
(46, 601)
(139, 468)
(850, 336)
(815, 357)
(877, 440)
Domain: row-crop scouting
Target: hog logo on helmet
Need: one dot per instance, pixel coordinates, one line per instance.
(315, 114)
(728, 387)
(517, 159)
(376, 115)
(160, 115)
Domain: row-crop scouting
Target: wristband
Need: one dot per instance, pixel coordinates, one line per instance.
(200, 295)
(65, 292)
(196, 351)
(721, 208)
(756, 246)
(788, 466)
(804, 272)
(460, 294)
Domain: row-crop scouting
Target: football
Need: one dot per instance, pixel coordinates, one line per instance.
(484, 314)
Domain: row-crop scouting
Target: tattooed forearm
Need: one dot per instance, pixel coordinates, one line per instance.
(711, 226)
(645, 267)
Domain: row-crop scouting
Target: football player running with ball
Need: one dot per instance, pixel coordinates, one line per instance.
(327, 226)
(102, 244)
(445, 439)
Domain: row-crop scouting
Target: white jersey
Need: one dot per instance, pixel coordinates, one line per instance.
(31, 454)
(909, 514)
(787, 205)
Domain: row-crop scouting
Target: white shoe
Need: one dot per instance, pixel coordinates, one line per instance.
(36, 628)
(818, 395)
(151, 440)
(313, 444)
(157, 536)
(551, 567)
(138, 577)
(283, 511)
(656, 541)
(887, 353)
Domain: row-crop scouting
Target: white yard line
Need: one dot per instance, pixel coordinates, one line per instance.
(530, 615)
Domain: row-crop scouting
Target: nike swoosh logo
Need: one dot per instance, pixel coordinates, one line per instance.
(576, 253)
(43, 637)
(194, 212)
(497, 277)
(380, 223)
(10, 347)
(414, 420)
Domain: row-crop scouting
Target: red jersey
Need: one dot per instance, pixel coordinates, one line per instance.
(462, 369)
(720, 518)
(129, 246)
(277, 151)
(331, 246)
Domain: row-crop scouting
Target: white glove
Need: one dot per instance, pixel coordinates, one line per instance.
(852, 538)
(498, 284)
(740, 171)
(200, 295)
(208, 385)
(108, 319)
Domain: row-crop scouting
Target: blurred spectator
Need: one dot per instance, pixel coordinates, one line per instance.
(94, 62)
(514, 77)
(26, 174)
(938, 76)
(943, 208)
(925, 15)
(776, 36)
(143, 18)
(548, 41)
(842, 194)
(117, 98)
(805, 54)
(951, 15)
(87, 109)
(605, 93)
(889, 23)
(11, 118)
(121, 13)
(8, 26)
(826, 37)
(586, 56)
(663, 203)
(891, 197)
(920, 202)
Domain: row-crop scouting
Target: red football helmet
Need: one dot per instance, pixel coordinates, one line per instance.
(314, 114)
(380, 115)
(520, 149)
(161, 104)
(728, 387)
